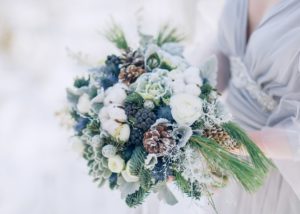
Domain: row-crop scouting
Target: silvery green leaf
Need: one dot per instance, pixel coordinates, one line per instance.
(166, 195)
(106, 173)
(96, 107)
(104, 162)
(72, 96)
(157, 186)
(101, 182)
(127, 188)
(208, 70)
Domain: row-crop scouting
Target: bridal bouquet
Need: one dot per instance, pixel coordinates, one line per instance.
(147, 115)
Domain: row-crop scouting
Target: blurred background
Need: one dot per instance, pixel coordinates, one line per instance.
(44, 44)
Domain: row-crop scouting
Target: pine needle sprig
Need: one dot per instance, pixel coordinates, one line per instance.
(249, 177)
(259, 160)
(116, 35)
(137, 160)
(137, 198)
(190, 189)
(168, 34)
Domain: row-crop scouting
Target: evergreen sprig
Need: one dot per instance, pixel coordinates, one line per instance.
(250, 177)
(145, 178)
(135, 98)
(190, 189)
(93, 127)
(168, 34)
(137, 160)
(137, 198)
(115, 34)
(259, 160)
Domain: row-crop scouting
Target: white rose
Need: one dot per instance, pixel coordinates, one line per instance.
(178, 86)
(127, 175)
(185, 108)
(116, 164)
(176, 74)
(84, 104)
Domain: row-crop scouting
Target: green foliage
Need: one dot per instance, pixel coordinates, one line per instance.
(259, 160)
(250, 177)
(153, 61)
(137, 160)
(166, 66)
(93, 127)
(168, 34)
(74, 115)
(206, 89)
(137, 198)
(115, 34)
(81, 82)
(190, 189)
(145, 178)
(88, 152)
(72, 97)
(135, 98)
(199, 124)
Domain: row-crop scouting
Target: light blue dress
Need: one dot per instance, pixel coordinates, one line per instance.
(263, 93)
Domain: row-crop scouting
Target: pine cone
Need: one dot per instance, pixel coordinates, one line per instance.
(221, 137)
(159, 140)
(129, 74)
(132, 58)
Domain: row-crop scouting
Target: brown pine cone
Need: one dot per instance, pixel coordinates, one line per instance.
(129, 74)
(158, 141)
(132, 58)
(221, 137)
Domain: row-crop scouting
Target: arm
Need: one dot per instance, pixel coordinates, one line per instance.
(274, 143)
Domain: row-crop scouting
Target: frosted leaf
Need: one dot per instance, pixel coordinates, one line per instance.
(150, 161)
(182, 134)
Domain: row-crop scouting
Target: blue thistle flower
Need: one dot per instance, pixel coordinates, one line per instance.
(81, 124)
(164, 112)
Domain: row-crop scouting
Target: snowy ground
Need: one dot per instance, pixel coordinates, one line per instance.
(39, 171)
